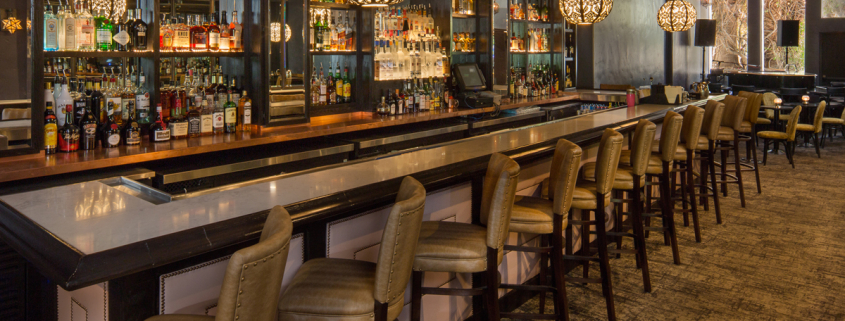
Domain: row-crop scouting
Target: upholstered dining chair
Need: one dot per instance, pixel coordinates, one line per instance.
(787, 138)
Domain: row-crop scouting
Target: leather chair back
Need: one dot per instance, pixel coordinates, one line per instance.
(734, 112)
(563, 175)
(752, 110)
(817, 121)
(713, 112)
(791, 126)
(399, 242)
(253, 276)
(641, 148)
(691, 128)
(769, 100)
(497, 198)
(607, 160)
(670, 135)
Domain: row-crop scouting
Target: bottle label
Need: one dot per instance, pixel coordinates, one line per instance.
(213, 39)
(86, 35)
(50, 139)
(222, 98)
(89, 131)
(218, 120)
(51, 36)
(114, 105)
(194, 124)
(103, 36)
(133, 137)
(69, 141)
(182, 39)
(200, 40)
(224, 42)
(206, 125)
(113, 139)
(231, 116)
(142, 102)
(122, 37)
(70, 34)
(161, 135)
(180, 129)
(247, 113)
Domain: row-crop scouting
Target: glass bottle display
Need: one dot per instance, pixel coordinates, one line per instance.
(213, 34)
(236, 30)
(159, 131)
(139, 31)
(225, 33)
(50, 130)
(104, 30)
(199, 36)
(51, 29)
(85, 28)
(245, 113)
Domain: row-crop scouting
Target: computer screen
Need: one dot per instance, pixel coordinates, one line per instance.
(470, 78)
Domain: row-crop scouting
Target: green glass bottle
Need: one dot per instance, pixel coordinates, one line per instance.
(104, 32)
(230, 115)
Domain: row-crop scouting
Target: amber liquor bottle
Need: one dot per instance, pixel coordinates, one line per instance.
(50, 130)
(159, 132)
(199, 36)
(131, 131)
(194, 122)
(69, 134)
(88, 130)
(111, 136)
(213, 32)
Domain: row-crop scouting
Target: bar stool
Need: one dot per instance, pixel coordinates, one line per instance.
(630, 180)
(830, 124)
(659, 168)
(788, 137)
(342, 289)
(253, 275)
(748, 130)
(548, 218)
(593, 196)
(468, 248)
(684, 160)
(713, 112)
(728, 140)
(815, 128)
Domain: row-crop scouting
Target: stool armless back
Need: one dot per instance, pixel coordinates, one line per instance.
(563, 175)
(713, 113)
(729, 141)
(497, 199)
(749, 131)
(670, 135)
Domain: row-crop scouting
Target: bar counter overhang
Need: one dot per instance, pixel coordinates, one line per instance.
(88, 233)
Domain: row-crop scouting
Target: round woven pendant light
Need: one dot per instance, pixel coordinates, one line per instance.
(585, 12)
(374, 3)
(676, 15)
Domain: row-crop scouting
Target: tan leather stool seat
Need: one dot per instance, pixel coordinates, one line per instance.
(773, 135)
(584, 197)
(703, 143)
(680, 150)
(332, 289)
(805, 127)
(746, 126)
(532, 215)
(831, 120)
(764, 121)
(623, 180)
(655, 164)
(452, 247)
(726, 133)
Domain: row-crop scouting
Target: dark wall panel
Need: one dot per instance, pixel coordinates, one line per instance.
(14, 54)
(628, 45)
(815, 27)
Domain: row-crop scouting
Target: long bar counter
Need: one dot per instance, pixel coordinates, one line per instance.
(82, 234)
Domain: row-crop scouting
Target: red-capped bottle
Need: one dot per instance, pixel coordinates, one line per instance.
(159, 132)
(69, 134)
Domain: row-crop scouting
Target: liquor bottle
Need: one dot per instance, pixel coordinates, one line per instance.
(178, 122)
(347, 86)
(51, 29)
(67, 30)
(218, 121)
(127, 101)
(350, 34)
(327, 34)
(69, 134)
(235, 29)
(199, 36)
(210, 90)
(312, 26)
(122, 37)
(400, 103)
(315, 87)
(341, 34)
(88, 130)
(331, 95)
(142, 101)
(194, 121)
(131, 131)
(103, 32)
(225, 33)
(64, 103)
(222, 95)
(159, 132)
(230, 118)
(338, 82)
(50, 130)
(181, 36)
(213, 31)
(245, 113)
(80, 102)
(322, 87)
(206, 119)
(114, 100)
(382, 108)
(139, 31)
(98, 103)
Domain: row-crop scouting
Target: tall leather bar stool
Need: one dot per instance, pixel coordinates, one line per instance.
(748, 134)
(660, 168)
(713, 113)
(830, 124)
(468, 248)
(253, 276)
(592, 196)
(683, 164)
(342, 289)
(815, 128)
(548, 217)
(728, 140)
(788, 137)
(630, 180)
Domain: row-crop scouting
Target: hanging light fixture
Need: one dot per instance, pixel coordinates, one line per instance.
(275, 32)
(374, 3)
(495, 7)
(585, 12)
(112, 9)
(676, 15)
(288, 33)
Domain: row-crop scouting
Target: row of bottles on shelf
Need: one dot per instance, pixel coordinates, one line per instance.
(463, 41)
(114, 111)
(414, 23)
(399, 59)
(534, 40)
(594, 107)
(199, 33)
(62, 65)
(533, 10)
(466, 7)
(334, 89)
(333, 1)
(417, 95)
(534, 81)
(78, 29)
(331, 31)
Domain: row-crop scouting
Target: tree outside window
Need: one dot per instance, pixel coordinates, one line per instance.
(775, 56)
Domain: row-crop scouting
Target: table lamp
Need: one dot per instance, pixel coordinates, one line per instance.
(805, 99)
(778, 101)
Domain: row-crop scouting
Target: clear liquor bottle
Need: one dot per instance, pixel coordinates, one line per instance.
(235, 41)
(142, 101)
(206, 119)
(166, 35)
(85, 29)
(51, 33)
(67, 25)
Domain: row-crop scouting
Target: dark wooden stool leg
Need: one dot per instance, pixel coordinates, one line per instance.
(559, 270)
(703, 164)
(648, 200)
(684, 191)
(585, 241)
(816, 143)
(738, 168)
(724, 169)
(690, 186)
(712, 164)
(544, 261)
(765, 150)
(617, 227)
(668, 216)
(416, 295)
(604, 265)
(380, 311)
(568, 239)
(639, 239)
(756, 166)
(492, 278)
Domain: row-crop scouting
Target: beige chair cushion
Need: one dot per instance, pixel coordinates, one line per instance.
(333, 289)
(772, 135)
(680, 151)
(533, 215)
(745, 127)
(726, 133)
(831, 120)
(624, 179)
(584, 197)
(703, 143)
(805, 127)
(763, 121)
(452, 247)
(655, 164)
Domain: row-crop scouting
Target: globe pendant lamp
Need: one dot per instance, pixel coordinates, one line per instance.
(374, 3)
(676, 15)
(585, 12)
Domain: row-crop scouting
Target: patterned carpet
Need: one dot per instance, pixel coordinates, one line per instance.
(780, 258)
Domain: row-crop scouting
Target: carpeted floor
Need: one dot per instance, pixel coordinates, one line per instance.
(780, 258)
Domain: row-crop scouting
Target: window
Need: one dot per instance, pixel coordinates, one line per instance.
(731, 50)
(775, 56)
(833, 8)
